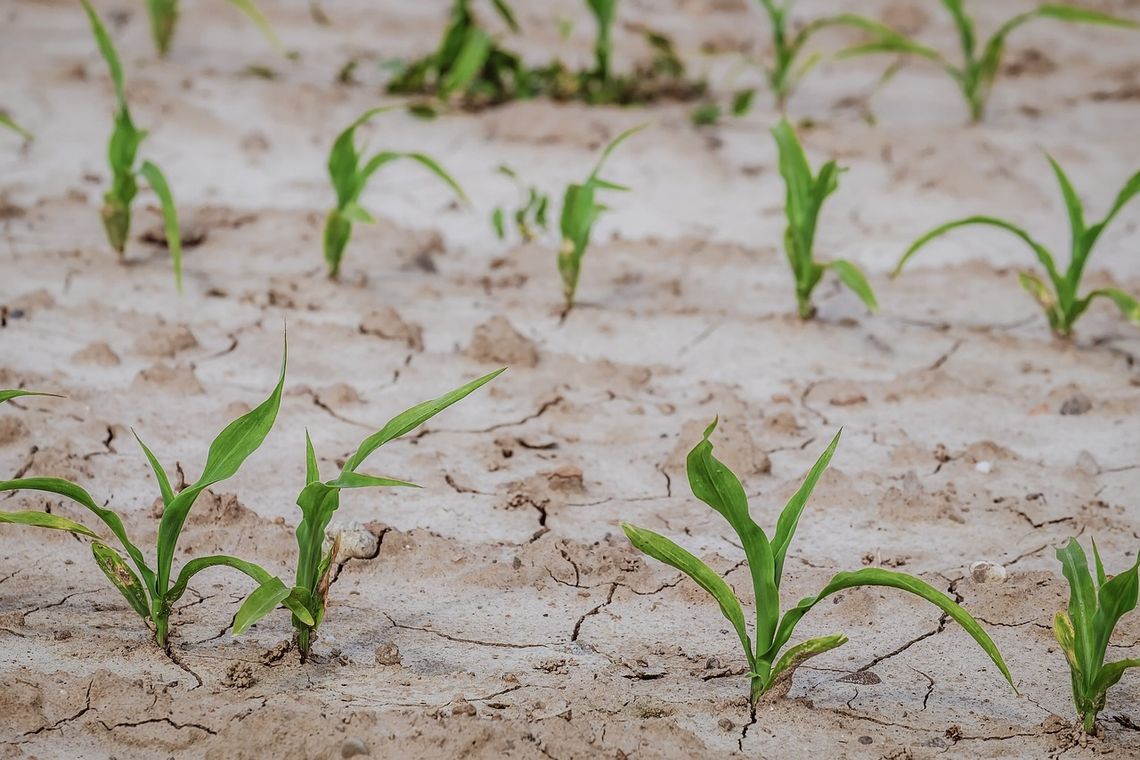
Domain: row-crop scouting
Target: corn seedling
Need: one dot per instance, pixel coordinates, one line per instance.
(789, 64)
(122, 152)
(320, 500)
(805, 196)
(1060, 296)
(976, 75)
(468, 62)
(530, 217)
(714, 484)
(580, 210)
(164, 17)
(350, 172)
(605, 11)
(10, 123)
(1085, 629)
(152, 592)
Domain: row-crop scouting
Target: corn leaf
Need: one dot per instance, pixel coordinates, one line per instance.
(1116, 597)
(874, 576)
(122, 578)
(470, 61)
(107, 49)
(790, 516)
(802, 652)
(9, 122)
(251, 11)
(157, 182)
(38, 519)
(263, 600)
(664, 550)
(1111, 673)
(1128, 305)
(853, 278)
(1082, 603)
(8, 395)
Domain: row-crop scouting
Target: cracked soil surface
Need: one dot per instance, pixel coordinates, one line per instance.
(499, 611)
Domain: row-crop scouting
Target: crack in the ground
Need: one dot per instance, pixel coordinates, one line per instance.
(107, 447)
(460, 639)
(578, 625)
(542, 409)
(175, 658)
(55, 726)
(744, 731)
(167, 720)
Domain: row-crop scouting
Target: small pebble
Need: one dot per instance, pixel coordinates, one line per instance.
(983, 467)
(987, 572)
(388, 654)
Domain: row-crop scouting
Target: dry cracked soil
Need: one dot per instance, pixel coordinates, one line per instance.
(499, 611)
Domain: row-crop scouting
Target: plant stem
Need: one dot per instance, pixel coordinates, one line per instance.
(1089, 719)
(303, 642)
(161, 629)
(758, 690)
(807, 311)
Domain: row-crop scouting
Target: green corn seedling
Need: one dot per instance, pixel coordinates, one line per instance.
(1060, 297)
(787, 68)
(320, 500)
(350, 173)
(122, 152)
(1085, 629)
(468, 61)
(530, 217)
(580, 210)
(605, 12)
(805, 196)
(152, 591)
(10, 123)
(164, 17)
(714, 484)
(976, 75)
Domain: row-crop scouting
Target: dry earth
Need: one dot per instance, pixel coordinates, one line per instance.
(499, 612)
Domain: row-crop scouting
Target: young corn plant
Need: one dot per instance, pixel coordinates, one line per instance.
(805, 196)
(319, 500)
(164, 17)
(152, 591)
(1060, 296)
(122, 153)
(605, 12)
(530, 216)
(350, 172)
(976, 74)
(580, 210)
(1084, 630)
(468, 62)
(789, 64)
(770, 665)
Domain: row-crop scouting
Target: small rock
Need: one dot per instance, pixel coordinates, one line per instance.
(1078, 403)
(566, 478)
(388, 654)
(497, 341)
(984, 467)
(356, 541)
(387, 324)
(98, 353)
(166, 341)
(726, 724)
(352, 747)
(987, 572)
(865, 740)
(461, 706)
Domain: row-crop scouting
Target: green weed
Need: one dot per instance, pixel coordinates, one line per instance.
(805, 196)
(1060, 296)
(152, 592)
(122, 152)
(10, 123)
(529, 217)
(350, 172)
(1085, 629)
(713, 483)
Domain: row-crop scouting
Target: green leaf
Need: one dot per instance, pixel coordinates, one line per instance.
(38, 519)
(790, 516)
(437, 170)
(664, 550)
(263, 600)
(255, 15)
(1101, 578)
(7, 121)
(1115, 599)
(1073, 13)
(853, 278)
(706, 114)
(354, 212)
(1066, 638)
(1128, 305)
(742, 102)
(361, 480)
(874, 576)
(506, 14)
(965, 26)
(1130, 190)
(802, 652)
(157, 182)
(159, 472)
(609, 149)
(122, 578)
(229, 450)
(1072, 205)
(107, 49)
(715, 484)
(8, 395)
(498, 222)
(77, 494)
(1037, 288)
(1042, 253)
(470, 61)
(1111, 673)
(412, 418)
(1082, 603)
(312, 469)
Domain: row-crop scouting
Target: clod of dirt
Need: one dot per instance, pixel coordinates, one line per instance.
(1078, 403)
(341, 394)
(31, 302)
(161, 376)
(218, 509)
(987, 572)
(11, 429)
(566, 478)
(353, 747)
(726, 724)
(388, 654)
(98, 353)
(461, 706)
(387, 324)
(166, 341)
(356, 541)
(496, 341)
(239, 675)
(648, 707)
